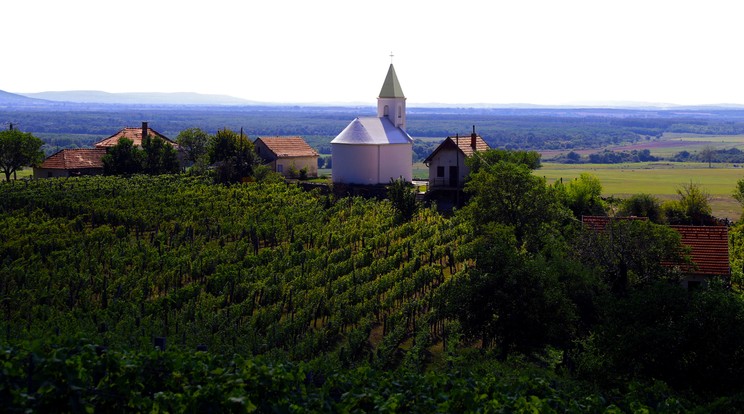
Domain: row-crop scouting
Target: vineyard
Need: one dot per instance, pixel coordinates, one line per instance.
(171, 293)
(249, 269)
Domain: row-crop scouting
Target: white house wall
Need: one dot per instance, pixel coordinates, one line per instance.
(355, 164)
(447, 158)
(395, 161)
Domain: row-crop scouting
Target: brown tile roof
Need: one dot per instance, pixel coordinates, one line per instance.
(708, 249)
(464, 143)
(75, 159)
(284, 147)
(135, 134)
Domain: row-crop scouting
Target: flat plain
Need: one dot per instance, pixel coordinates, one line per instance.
(661, 179)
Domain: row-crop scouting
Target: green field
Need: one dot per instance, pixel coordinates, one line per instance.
(659, 178)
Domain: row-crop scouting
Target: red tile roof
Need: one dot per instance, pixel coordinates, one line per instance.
(708, 249)
(135, 134)
(75, 159)
(463, 143)
(708, 244)
(285, 147)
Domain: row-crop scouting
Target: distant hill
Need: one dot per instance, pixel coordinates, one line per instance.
(146, 98)
(7, 98)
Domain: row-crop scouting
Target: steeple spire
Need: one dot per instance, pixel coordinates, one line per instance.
(391, 87)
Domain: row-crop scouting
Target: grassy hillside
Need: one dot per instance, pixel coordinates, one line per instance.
(269, 298)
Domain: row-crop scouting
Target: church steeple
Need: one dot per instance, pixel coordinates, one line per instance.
(391, 103)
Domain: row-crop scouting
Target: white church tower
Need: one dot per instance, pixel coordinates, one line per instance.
(392, 103)
(374, 150)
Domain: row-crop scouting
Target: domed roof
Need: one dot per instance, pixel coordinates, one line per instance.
(372, 131)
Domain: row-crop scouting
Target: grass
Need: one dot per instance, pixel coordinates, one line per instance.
(26, 172)
(660, 179)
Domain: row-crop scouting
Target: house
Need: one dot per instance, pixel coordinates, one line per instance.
(447, 168)
(89, 161)
(72, 163)
(374, 150)
(709, 248)
(287, 154)
(709, 251)
(135, 134)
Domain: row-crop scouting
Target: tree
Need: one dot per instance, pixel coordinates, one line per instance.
(159, 156)
(401, 194)
(528, 159)
(17, 150)
(695, 202)
(739, 192)
(123, 158)
(630, 253)
(514, 301)
(510, 194)
(233, 155)
(707, 154)
(642, 205)
(694, 341)
(194, 141)
(582, 195)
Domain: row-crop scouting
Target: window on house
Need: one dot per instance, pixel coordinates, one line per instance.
(440, 171)
(400, 112)
(279, 168)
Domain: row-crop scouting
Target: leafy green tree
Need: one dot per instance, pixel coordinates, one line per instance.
(233, 155)
(582, 195)
(630, 253)
(159, 156)
(509, 193)
(194, 142)
(642, 205)
(693, 341)
(123, 158)
(695, 202)
(17, 150)
(402, 195)
(513, 301)
(739, 192)
(529, 159)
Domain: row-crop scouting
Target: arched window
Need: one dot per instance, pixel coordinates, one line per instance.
(400, 111)
(386, 111)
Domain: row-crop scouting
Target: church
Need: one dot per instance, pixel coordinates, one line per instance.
(374, 150)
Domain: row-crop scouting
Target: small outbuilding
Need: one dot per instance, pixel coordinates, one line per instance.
(288, 155)
(374, 150)
(447, 168)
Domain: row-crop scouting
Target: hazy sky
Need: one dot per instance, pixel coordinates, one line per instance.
(515, 51)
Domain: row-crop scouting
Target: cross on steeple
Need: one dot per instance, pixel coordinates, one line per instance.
(391, 57)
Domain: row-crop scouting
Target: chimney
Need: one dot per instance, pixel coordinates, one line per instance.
(144, 130)
(472, 138)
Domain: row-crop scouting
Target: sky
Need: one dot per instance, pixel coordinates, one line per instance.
(545, 52)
